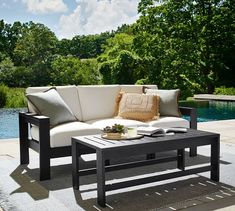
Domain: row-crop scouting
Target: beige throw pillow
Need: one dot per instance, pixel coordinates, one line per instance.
(138, 106)
(168, 101)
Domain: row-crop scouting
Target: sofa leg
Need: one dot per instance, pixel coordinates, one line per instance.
(24, 152)
(45, 169)
(193, 152)
(23, 137)
(45, 150)
(150, 156)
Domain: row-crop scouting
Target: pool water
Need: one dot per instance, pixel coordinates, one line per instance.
(213, 110)
(206, 111)
(9, 126)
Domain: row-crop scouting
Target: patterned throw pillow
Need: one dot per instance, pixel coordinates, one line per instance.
(50, 104)
(138, 106)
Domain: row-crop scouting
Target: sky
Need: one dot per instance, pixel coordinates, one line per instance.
(67, 18)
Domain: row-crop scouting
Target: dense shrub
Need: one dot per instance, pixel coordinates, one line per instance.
(16, 98)
(224, 91)
(3, 95)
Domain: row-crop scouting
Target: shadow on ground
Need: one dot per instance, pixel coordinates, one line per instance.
(187, 192)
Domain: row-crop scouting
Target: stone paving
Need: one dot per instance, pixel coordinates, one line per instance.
(214, 97)
(226, 128)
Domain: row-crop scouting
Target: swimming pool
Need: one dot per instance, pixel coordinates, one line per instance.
(9, 126)
(206, 111)
(212, 110)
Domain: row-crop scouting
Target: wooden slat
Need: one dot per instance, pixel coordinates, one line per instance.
(97, 142)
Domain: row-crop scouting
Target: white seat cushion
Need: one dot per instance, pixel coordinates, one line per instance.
(61, 135)
(166, 122)
(101, 123)
(98, 102)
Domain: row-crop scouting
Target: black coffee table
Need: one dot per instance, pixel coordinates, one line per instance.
(109, 149)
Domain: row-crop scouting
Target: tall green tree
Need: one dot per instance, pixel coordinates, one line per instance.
(113, 46)
(35, 49)
(188, 39)
(64, 47)
(89, 46)
(9, 35)
(118, 63)
(37, 44)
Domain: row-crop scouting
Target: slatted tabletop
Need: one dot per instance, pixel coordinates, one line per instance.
(97, 142)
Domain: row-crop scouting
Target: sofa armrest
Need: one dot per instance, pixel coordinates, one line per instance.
(43, 144)
(192, 113)
(33, 118)
(43, 124)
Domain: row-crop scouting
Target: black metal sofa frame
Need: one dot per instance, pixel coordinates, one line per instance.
(43, 145)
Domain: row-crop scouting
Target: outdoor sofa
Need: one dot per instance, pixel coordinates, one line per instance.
(92, 108)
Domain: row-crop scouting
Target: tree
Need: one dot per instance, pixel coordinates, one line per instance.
(114, 45)
(72, 70)
(37, 44)
(125, 28)
(185, 38)
(9, 34)
(118, 62)
(14, 76)
(89, 46)
(64, 47)
(126, 68)
(35, 49)
(13, 33)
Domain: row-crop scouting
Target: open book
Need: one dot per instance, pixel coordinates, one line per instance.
(156, 131)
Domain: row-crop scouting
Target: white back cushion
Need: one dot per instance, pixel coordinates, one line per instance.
(68, 93)
(98, 101)
(132, 88)
(102, 123)
(136, 88)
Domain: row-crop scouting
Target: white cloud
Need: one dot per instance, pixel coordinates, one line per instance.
(45, 6)
(96, 16)
(4, 5)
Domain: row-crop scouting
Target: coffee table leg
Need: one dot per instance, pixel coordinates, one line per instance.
(181, 159)
(215, 154)
(100, 163)
(75, 164)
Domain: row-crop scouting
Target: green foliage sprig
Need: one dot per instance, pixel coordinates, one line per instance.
(116, 128)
